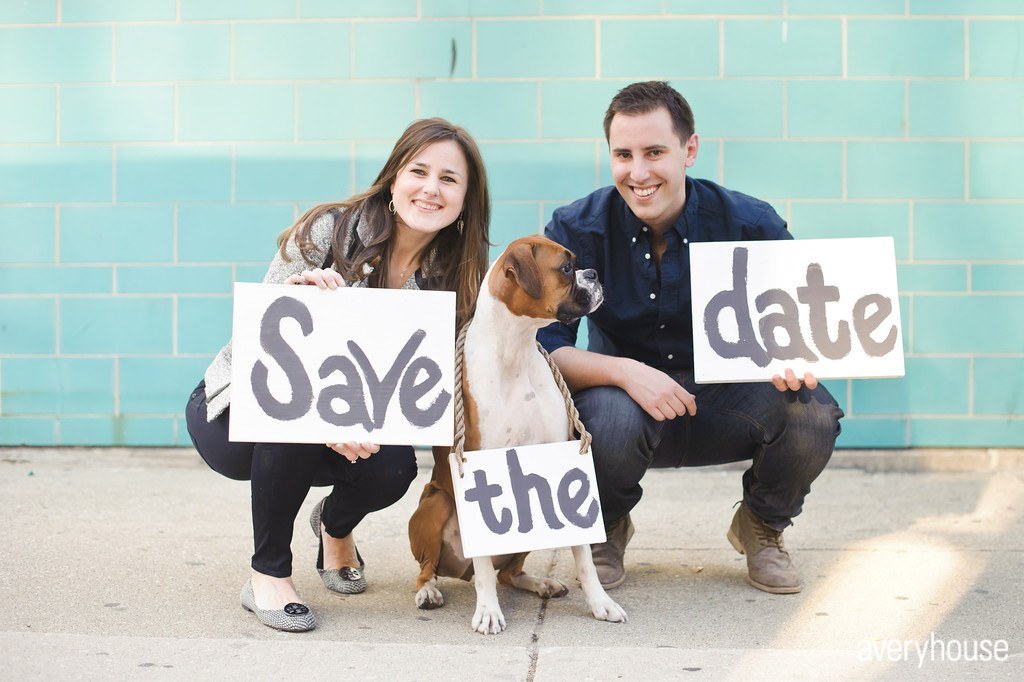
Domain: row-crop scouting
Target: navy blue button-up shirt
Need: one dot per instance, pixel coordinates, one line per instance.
(642, 317)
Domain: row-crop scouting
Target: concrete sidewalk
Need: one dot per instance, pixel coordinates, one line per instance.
(127, 564)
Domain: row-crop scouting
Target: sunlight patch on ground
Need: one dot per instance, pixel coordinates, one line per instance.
(898, 587)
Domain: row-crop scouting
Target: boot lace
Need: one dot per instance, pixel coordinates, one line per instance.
(768, 536)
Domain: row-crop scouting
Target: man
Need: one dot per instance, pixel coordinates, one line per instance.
(634, 387)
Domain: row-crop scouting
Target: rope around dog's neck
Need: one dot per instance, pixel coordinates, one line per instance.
(575, 425)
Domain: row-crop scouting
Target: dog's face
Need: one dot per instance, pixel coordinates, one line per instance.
(537, 278)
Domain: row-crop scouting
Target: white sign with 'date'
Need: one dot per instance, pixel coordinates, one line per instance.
(825, 306)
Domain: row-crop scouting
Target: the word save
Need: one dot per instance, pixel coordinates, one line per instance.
(326, 366)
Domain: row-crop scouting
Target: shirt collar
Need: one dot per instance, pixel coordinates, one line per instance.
(690, 208)
(633, 225)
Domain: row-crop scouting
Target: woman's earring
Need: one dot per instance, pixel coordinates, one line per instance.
(460, 225)
(391, 206)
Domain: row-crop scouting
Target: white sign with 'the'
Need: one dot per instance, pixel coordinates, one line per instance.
(519, 499)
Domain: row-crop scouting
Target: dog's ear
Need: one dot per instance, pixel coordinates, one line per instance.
(521, 267)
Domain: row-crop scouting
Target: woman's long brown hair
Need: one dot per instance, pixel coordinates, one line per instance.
(458, 261)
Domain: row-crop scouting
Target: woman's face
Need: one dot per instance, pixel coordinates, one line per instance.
(430, 190)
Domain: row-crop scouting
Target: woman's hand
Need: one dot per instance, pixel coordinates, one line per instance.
(325, 279)
(353, 450)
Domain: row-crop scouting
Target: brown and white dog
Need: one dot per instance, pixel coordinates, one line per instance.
(533, 283)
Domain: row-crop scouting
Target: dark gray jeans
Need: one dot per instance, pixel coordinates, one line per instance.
(788, 437)
(281, 475)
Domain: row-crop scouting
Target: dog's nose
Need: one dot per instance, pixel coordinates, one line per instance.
(589, 274)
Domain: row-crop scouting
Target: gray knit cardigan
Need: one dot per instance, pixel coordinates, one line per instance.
(218, 374)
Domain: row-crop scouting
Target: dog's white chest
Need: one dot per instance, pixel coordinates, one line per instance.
(518, 406)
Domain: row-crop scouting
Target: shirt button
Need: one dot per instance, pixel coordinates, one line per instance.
(634, 240)
(685, 240)
(661, 327)
(653, 297)
(645, 228)
(647, 256)
(670, 356)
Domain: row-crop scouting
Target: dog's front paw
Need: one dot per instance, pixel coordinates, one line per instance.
(488, 620)
(549, 588)
(429, 597)
(605, 608)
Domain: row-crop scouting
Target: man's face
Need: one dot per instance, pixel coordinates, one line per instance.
(649, 165)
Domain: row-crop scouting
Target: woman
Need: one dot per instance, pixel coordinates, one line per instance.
(423, 224)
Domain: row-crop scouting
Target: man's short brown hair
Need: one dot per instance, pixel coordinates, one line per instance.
(645, 97)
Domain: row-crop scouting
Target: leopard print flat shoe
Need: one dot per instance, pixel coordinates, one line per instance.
(293, 617)
(344, 580)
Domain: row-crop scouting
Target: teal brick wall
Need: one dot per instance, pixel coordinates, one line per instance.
(151, 151)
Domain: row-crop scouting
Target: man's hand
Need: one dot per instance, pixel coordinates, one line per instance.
(791, 383)
(658, 393)
(353, 451)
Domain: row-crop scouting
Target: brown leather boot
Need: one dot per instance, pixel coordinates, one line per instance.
(608, 555)
(768, 564)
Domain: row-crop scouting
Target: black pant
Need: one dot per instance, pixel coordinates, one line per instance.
(281, 475)
(788, 438)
